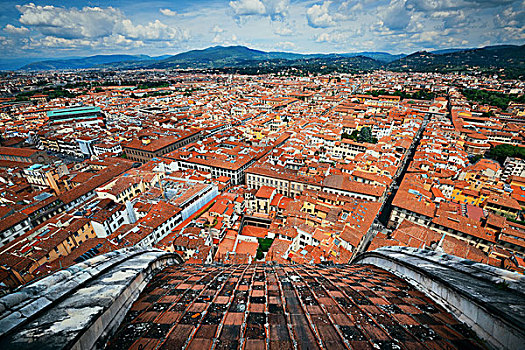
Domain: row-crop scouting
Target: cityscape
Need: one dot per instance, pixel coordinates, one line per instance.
(172, 187)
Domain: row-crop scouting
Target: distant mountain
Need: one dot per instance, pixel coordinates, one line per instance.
(231, 56)
(85, 62)
(17, 63)
(220, 56)
(444, 51)
(319, 65)
(378, 56)
(510, 58)
(490, 59)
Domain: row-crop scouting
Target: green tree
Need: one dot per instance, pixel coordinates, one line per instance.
(365, 135)
(493, 98)
(353, 136)
(501, 152)
(260, 255)
(475, 158)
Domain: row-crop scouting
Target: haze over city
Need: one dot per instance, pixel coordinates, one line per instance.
(55, 29)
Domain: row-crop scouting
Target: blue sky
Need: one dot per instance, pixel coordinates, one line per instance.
(75, 28)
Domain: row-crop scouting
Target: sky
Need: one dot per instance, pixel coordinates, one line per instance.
(83, 27)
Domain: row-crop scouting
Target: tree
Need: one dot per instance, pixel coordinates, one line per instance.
(475, 158)
(498, 99)
(260, 255)
(501, 152)
(365, 135)
(353, 136)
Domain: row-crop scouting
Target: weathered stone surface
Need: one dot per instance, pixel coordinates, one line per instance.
(75, 307)
(35, 306)
(488, 299)
(11, 321)
(11, 301)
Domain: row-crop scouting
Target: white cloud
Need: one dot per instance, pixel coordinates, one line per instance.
(395, 16)
(433, 5)
(227, 41)
(351, 25)
(60, 43)
(286, 45)
(275, 9)
(334, 37)
(121, 40)
(168, 12)
(217, 29)
(283, 31)
(455, 18)
(88, 22)
(248, 7)
(511, 17)
(11, 29)
(93, 23)
(319, 17)
(89, 29)
(151, 31)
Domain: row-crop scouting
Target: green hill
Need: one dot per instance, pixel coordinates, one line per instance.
(507, 59)
(84, 62)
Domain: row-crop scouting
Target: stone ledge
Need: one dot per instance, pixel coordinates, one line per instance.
(488, 299)
(75, 307)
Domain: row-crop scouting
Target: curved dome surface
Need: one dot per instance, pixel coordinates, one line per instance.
(284, 307)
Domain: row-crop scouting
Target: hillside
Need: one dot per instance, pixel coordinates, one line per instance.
(220, 56)
(240, 56)
(509, 58)
(378, 56)
(303, 66)
(505, 60)
(83, 62)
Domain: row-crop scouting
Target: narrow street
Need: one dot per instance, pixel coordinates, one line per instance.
(382, 218)
(387, 205)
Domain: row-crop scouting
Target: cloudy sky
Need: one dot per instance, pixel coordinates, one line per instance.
(74, 28)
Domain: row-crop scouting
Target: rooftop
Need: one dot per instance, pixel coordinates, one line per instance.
(227, 307)
(73, 111)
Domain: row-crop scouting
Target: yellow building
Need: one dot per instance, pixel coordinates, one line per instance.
(469, 196)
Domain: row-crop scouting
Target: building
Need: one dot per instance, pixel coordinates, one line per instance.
(31, 255)
(107, 216)
(12, 225)
(11, 156)
(107, 147)
(81, 116)
(143, 150)
(289, 183)
(513, 167)
(50, 176)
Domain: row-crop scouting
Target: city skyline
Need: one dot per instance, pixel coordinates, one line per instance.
(83, 28)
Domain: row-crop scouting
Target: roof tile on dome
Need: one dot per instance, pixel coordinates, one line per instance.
(197, 306)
